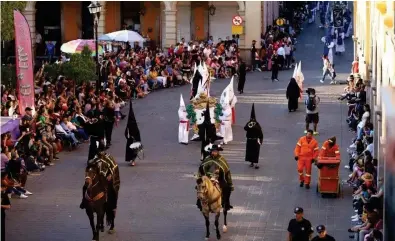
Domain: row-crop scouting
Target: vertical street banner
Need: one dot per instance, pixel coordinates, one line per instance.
(23, 62)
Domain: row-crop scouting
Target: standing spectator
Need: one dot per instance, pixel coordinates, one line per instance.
(275, 66)
(299, 228)
(322, 235)
(288, 56)
(253, 51)
(281, 55)
(242, 77)
(312, 101)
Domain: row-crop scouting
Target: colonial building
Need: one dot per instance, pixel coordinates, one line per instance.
(374, 44)
(165, 22)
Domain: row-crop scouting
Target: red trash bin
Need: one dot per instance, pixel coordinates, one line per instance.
(328, 175)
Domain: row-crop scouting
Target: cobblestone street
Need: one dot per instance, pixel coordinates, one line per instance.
(157, 196)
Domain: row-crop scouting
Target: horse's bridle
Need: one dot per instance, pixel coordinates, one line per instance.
(98, 196)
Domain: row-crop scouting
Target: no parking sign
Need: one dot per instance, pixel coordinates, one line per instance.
(237, 27)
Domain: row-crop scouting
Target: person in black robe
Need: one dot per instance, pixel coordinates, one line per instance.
(254, 140)
(242, 77)
(133, 139)
(293, 93)
(195, 83)
(207, 132)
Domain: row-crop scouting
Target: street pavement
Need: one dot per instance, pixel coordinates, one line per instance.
(157, 196)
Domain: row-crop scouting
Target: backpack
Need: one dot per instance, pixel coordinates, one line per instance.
(311, 105)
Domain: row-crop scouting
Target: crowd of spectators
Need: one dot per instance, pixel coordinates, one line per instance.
(368, 189)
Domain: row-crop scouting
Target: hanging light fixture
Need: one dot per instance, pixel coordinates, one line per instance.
(94, 8)
(381, 6)
(211, 9)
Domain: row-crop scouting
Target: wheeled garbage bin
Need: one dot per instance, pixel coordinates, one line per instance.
(328, 176)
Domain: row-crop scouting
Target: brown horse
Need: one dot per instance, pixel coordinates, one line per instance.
(210, 195)
(95, 199)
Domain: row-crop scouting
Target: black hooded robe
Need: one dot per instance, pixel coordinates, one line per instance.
(254, 133)
(242, 77)
(132, 134)
(293, 94)
(195, 84)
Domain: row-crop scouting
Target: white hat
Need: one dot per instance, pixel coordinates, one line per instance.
(182, 103)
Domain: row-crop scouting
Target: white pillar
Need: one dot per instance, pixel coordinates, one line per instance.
(170, 28)
(30, 15)
(252, 25)
(101, 28)
(242, 42)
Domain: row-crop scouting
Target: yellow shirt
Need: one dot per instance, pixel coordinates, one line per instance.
(153, 74)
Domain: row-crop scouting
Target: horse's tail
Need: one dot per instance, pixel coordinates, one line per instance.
(109, 214)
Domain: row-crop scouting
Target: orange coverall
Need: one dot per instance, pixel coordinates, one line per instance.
(306, 152)
(327, 151)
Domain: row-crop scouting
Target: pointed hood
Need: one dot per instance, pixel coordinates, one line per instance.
(299, 74)
(252, 116)
(132, 129)
(182, 103)
(295, 71)
(131, 117)
(223, 95)
(231, 93)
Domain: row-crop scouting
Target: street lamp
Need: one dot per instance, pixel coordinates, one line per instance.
(95, 9)
(212, 9)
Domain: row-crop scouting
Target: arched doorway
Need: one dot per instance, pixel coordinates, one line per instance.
(131, 13)
(48, 24)
(86, 21)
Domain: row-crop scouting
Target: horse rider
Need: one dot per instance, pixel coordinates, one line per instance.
(215, 166)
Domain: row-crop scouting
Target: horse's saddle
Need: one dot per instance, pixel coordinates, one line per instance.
(215, 183)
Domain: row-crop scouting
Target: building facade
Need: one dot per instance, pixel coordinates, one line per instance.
(164, 22)
(374, 44)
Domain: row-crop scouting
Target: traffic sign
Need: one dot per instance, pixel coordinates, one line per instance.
(237, 20)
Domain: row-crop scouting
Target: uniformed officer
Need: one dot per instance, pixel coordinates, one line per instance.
(322, 235)
(299, 228)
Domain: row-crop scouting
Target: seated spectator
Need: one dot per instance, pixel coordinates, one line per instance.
(73, 128)
(153, 81)
(10, 186)
(62, 131)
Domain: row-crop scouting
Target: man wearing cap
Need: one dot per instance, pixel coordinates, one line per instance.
(215, 166)
(330, 149)
(306, 152)
(322, 236)
(299, 228)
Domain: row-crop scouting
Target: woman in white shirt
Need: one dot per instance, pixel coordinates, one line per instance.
(364, 119)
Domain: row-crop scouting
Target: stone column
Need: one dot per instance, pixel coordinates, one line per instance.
(252, 23)
(355, 41)
(101, 28)
(30, 15)
(242, 42)
(170, 28)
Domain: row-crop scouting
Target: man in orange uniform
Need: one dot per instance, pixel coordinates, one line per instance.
(306, 152)
(330, 149)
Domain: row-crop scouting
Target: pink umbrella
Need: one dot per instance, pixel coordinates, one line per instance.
(76, 46)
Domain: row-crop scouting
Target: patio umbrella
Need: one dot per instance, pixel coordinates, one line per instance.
(123, 36)
(76, 46)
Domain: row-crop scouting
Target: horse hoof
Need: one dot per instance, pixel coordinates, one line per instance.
(218, 236)
(225, 229)
(111, 231)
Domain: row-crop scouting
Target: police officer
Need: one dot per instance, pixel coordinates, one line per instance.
(322, 235)
(299, 228)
